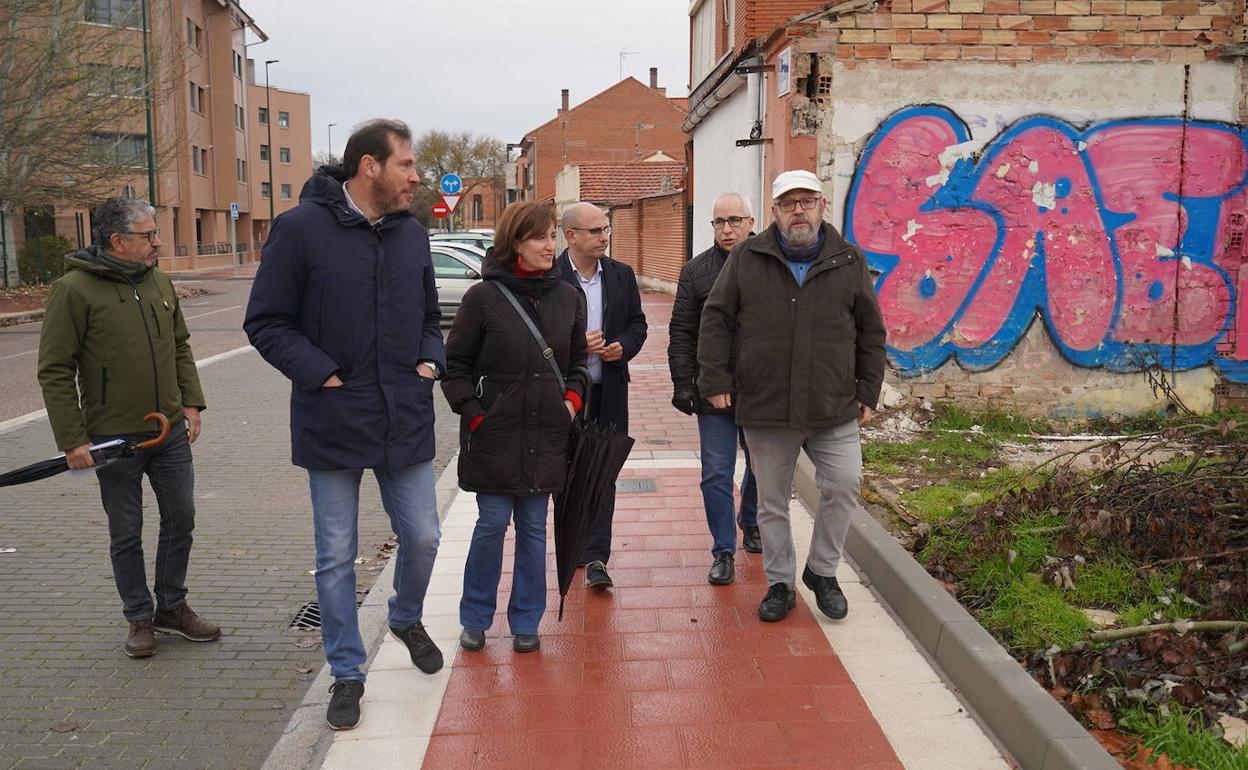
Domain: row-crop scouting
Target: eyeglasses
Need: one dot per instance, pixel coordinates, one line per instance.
(719, 222)
(788, 205)
(150, 235)
(597, 232)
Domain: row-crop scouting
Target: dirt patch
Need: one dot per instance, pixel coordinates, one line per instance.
(24, 299)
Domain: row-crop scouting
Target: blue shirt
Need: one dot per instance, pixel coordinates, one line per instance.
(592, 287)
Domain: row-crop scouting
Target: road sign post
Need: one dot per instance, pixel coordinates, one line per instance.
(236, 257)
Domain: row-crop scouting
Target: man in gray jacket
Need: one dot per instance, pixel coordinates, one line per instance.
(796, 303)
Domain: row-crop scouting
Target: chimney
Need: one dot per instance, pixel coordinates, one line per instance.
(654, 78)
(564, 95)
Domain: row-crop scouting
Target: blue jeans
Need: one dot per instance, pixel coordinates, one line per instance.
(169, 470)
(485, 563)
(718, 434)
(409, 500)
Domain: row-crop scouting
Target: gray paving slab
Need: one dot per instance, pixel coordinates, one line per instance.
(71, 698)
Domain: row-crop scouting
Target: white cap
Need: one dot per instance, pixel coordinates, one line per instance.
(795, 180)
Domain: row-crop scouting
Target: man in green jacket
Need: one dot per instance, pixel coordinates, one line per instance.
(114, 347)
(797, 305)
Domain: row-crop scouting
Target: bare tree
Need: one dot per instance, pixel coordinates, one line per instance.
(72, 98)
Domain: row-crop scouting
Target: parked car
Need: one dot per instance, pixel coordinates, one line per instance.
(480, 240)
(455, 270)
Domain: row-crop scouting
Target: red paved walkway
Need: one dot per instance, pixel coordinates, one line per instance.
(665, 670)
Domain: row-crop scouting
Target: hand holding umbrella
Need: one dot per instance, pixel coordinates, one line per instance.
(86, 456)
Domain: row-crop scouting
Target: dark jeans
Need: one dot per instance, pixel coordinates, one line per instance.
(599, 546)
(718, 434)
(172, 476)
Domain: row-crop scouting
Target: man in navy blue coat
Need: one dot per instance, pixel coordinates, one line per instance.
(616, 330)
(344, 304)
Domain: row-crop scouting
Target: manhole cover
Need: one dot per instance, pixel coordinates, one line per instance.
(635, 485)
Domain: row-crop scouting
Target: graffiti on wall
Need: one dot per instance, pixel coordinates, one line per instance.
(1125, 238)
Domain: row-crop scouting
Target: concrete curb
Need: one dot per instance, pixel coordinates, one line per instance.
(307, 738)
(1034, 728)
(21, 317)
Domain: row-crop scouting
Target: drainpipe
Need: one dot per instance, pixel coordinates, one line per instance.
(4, 248)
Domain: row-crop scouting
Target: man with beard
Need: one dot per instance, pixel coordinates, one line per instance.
(345, 306)
(717, 428)
(797, 305)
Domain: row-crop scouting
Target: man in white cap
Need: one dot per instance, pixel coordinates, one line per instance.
(797, 305)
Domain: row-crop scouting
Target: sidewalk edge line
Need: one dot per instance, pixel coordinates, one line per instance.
(1036, 731)
(25, 419)
(306, 738)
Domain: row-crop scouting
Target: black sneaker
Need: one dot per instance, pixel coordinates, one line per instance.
(596, 575)
(751, 540)
(344, 704)
(721, 573)
(828, 595)
(425, 654)
(777, 603)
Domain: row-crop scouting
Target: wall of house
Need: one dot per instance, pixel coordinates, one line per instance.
(1047, 233)
(719, 165)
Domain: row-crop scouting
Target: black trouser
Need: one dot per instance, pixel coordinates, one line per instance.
(172, 476)
(599, 545)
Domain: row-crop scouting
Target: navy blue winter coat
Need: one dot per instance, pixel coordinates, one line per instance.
(336, 295)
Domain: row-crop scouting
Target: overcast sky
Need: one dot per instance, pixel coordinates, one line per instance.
(487, 66)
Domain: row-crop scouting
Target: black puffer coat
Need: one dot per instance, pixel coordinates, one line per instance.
(495, 368)
(696, 279)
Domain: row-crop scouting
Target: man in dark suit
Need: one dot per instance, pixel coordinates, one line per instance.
(615, 331)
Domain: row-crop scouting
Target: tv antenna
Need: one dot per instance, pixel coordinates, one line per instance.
(623, 53)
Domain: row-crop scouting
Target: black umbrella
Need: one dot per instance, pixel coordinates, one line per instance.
(102, 454)
(596, 455)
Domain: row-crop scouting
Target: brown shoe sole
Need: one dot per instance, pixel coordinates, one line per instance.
(185, 635)
(139, 653)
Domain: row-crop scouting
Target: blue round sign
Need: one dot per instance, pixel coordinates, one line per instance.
(451, 184)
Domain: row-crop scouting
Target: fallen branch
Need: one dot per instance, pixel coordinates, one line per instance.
(1197, 557)
(1178, 627)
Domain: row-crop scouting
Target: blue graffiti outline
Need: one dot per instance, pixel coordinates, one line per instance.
(957, 193)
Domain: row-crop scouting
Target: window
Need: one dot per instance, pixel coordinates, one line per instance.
(107, 80)
(118, 149)
(264, 152)
(283, 154)
(703, 39)
(265, 190)
(446, 266)
(283, 120)
(286, 193)
(239, 116)
(199, 160)
(194, 35)
(238, 64)
(197, 97)
(116, 13)
(478, 208)
(264, 116)
(241, 169)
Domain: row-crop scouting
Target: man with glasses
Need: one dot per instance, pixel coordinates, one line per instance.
(114, 347)
(615, 331)
(797, 305)
(717, 428)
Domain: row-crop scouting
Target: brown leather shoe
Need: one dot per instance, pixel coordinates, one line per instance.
(183, 621)
(140, 643)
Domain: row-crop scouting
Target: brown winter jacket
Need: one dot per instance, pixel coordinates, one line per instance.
(805, 356)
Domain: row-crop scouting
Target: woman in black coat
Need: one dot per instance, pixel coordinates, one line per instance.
(515, 415)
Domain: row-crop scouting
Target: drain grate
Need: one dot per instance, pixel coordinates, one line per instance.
(635, 485)
(308, 618)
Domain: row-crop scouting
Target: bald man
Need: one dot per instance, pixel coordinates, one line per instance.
(615, 331)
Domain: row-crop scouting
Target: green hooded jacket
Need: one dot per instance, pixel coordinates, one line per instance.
(112, 349)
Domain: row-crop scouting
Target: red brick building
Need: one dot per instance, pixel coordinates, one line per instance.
(627, 122)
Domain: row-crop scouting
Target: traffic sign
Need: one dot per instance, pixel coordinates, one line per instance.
(440, 210)
(451, 201)
(234, 211)
(451, 184)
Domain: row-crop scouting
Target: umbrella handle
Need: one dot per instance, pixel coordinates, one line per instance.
(164, 430)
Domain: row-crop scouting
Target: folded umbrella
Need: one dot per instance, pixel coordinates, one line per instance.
(102, 454)
(596, 455)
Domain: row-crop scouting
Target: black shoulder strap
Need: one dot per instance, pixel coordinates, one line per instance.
(547, 352)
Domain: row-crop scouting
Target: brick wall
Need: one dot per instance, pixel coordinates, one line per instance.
(649, 235)
(1181, 31)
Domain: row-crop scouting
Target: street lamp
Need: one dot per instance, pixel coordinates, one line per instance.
(268, 108)
(330, 137)
(147, 108)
